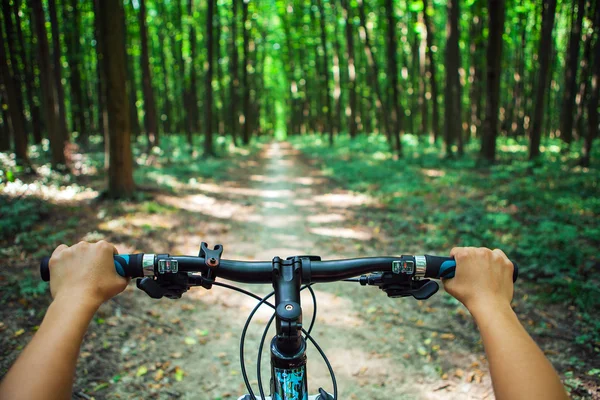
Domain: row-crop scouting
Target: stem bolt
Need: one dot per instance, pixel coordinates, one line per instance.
(289, 307)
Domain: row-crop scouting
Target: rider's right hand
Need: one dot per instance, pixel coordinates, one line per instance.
(483, 278)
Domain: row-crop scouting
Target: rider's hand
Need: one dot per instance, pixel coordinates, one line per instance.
(85, 272)
(483, 278)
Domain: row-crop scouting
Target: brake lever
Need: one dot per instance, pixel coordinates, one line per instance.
(397, 285)
(170, 286)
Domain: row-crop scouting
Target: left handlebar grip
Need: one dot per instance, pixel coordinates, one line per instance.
(126, 265)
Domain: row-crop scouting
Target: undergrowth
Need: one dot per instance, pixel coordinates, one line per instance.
(545, 215)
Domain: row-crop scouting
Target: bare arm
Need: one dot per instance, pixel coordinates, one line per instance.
(82, 278)
(519, 369)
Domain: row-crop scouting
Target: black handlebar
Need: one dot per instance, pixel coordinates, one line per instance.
(132, 265)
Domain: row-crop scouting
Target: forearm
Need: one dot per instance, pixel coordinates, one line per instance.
(518, 367)
(46, 368)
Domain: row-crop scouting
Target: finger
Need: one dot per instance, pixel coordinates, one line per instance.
(454, 251)
(59, 249)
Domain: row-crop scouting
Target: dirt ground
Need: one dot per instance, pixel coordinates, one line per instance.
(275, 203)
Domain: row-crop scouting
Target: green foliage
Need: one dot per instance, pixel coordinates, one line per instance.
(544, 216)
(19, 215)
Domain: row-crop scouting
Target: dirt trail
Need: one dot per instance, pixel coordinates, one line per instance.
(380, 348)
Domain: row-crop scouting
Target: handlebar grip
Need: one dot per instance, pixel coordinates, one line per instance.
(445, 267)
(126, 265)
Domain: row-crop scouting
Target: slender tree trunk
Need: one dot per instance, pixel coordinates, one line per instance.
(192, 107)
(572, 61)
(179, 71)
(548, 13)
(452, 100)
(5, 133)
(351, 111)
(373, 73)
(235, 80)
(245, 83)
(582, 94)
(101, 80)
(49, 97)
(14, 62)
(223, 118)
(134, 120)
(518, 127)
(431, 74)
(392, 49)
(496, 12)
(592, 131)
(208, 96)
(15, 110)
(34, 109)
(167, 109)
(329, 118)
(56, 54)
(150, 121)
(476, 69)
(423, 79)
(337, 78)
(120, 166)
(74, 57)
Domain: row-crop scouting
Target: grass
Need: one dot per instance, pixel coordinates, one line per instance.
(544, 215)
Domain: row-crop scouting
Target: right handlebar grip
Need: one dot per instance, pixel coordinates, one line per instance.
(126, 265)
(445, 267)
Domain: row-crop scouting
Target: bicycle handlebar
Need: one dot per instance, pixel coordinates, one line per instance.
(140, 265)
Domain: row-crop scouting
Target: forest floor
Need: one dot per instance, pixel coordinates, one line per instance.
(267, 202)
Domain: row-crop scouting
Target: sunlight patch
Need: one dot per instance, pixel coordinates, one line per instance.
(342, 233)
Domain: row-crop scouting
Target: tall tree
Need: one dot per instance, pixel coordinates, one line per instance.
(49, 97)
(496, 13)
(56, 56)
(373, 71)
(431, 74)
(592, 131)
(235, 80)
(572, 61)
(392, 72)
(150, 122)
(245, 83)
(120, 165)
(15, 109)
(208, 97)
(351, 111)
(548, 13)
(74, 56)
(452, 98)
(28, 62)
(192, 93)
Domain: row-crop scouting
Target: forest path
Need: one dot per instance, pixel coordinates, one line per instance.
(277, 204)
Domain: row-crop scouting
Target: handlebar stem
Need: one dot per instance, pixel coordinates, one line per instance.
(287, 278)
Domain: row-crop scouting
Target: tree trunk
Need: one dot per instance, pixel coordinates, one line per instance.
(592, 131)
(15, 110)
(476, 69)
(548, 13)
(431, 74)
(34, 109)
(192, 92)
(392, 49)
(571, 64)
(14, 63)
(120, 166)
(134, 120)
(351, 111)
(373, 73)
(245, 83)
(223, 118)
(60, 92)
(496, 12)
(452, 98)
(582, 94)
(208, 96)
(74, 55)
(49, 97)
(337, 78)
(167, 109)
(101, 80)
(235, 80)
(423, 100)
(150, 122)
